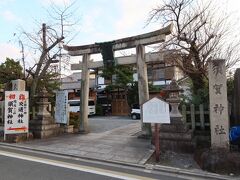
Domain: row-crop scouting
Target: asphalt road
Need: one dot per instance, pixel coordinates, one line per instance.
(17, 164)
(18, 169)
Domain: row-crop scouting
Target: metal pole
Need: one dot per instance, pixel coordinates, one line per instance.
(4, 137)
(157, 148)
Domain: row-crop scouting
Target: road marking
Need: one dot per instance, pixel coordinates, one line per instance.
(78, 167)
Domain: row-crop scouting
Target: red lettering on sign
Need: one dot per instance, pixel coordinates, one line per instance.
(12, 96)
(22, 97)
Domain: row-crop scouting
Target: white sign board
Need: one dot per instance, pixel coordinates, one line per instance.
(61, 113)
(16, 112)
(156, 110)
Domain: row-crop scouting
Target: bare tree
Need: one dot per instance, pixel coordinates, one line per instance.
(199, 34)
(48, 42)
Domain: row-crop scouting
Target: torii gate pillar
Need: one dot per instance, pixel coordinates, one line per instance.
(143, 91)
(84, 95)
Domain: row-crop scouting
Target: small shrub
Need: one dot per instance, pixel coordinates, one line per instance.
(74, 119)
(99, 109)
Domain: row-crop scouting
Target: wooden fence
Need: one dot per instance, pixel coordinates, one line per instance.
(196, 117)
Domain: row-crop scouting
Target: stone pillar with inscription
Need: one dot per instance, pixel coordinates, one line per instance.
(18, 85)
(219, 119)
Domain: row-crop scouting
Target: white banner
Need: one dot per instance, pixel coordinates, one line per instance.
(16, 112)
(61, 113)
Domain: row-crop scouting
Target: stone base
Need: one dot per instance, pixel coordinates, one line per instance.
(175, 137)
(177, 142)
(218, 161)
(44, 127)
(75, 130)
(179, 128)
(203, 139)
(83, 132)
(46, 134)
(16, 138)
(68, 129)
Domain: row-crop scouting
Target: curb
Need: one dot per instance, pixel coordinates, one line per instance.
(146, 157)
(71, 155)
(191, 174)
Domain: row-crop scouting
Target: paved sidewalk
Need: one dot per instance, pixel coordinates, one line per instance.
(112, 139)
(119, 144)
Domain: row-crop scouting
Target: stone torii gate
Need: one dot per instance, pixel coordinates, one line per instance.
(139, 41)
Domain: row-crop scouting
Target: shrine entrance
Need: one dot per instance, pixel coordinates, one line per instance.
(140, 59)
(120, 105)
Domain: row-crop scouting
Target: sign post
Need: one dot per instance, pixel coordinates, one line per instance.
(61, 112)
(16, 112)
(157, 144)
(156, 111)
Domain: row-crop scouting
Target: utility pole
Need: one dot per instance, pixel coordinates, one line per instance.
(23, 58)
(60, 62)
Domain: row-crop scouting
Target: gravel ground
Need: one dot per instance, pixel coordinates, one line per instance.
(99, 124)
(178, 160)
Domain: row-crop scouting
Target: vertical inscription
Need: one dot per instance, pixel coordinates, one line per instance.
(218, 104)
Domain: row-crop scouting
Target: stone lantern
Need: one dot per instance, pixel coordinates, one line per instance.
(43, 103)
(173, 91)
(176, 136)
(43, 125)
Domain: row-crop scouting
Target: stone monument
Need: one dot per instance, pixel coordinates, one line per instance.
(218, 158)
(43, 125)
(18, 85)
(219, 119)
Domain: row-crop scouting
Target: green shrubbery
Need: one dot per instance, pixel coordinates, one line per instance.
(74, 119)
(99, 109)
